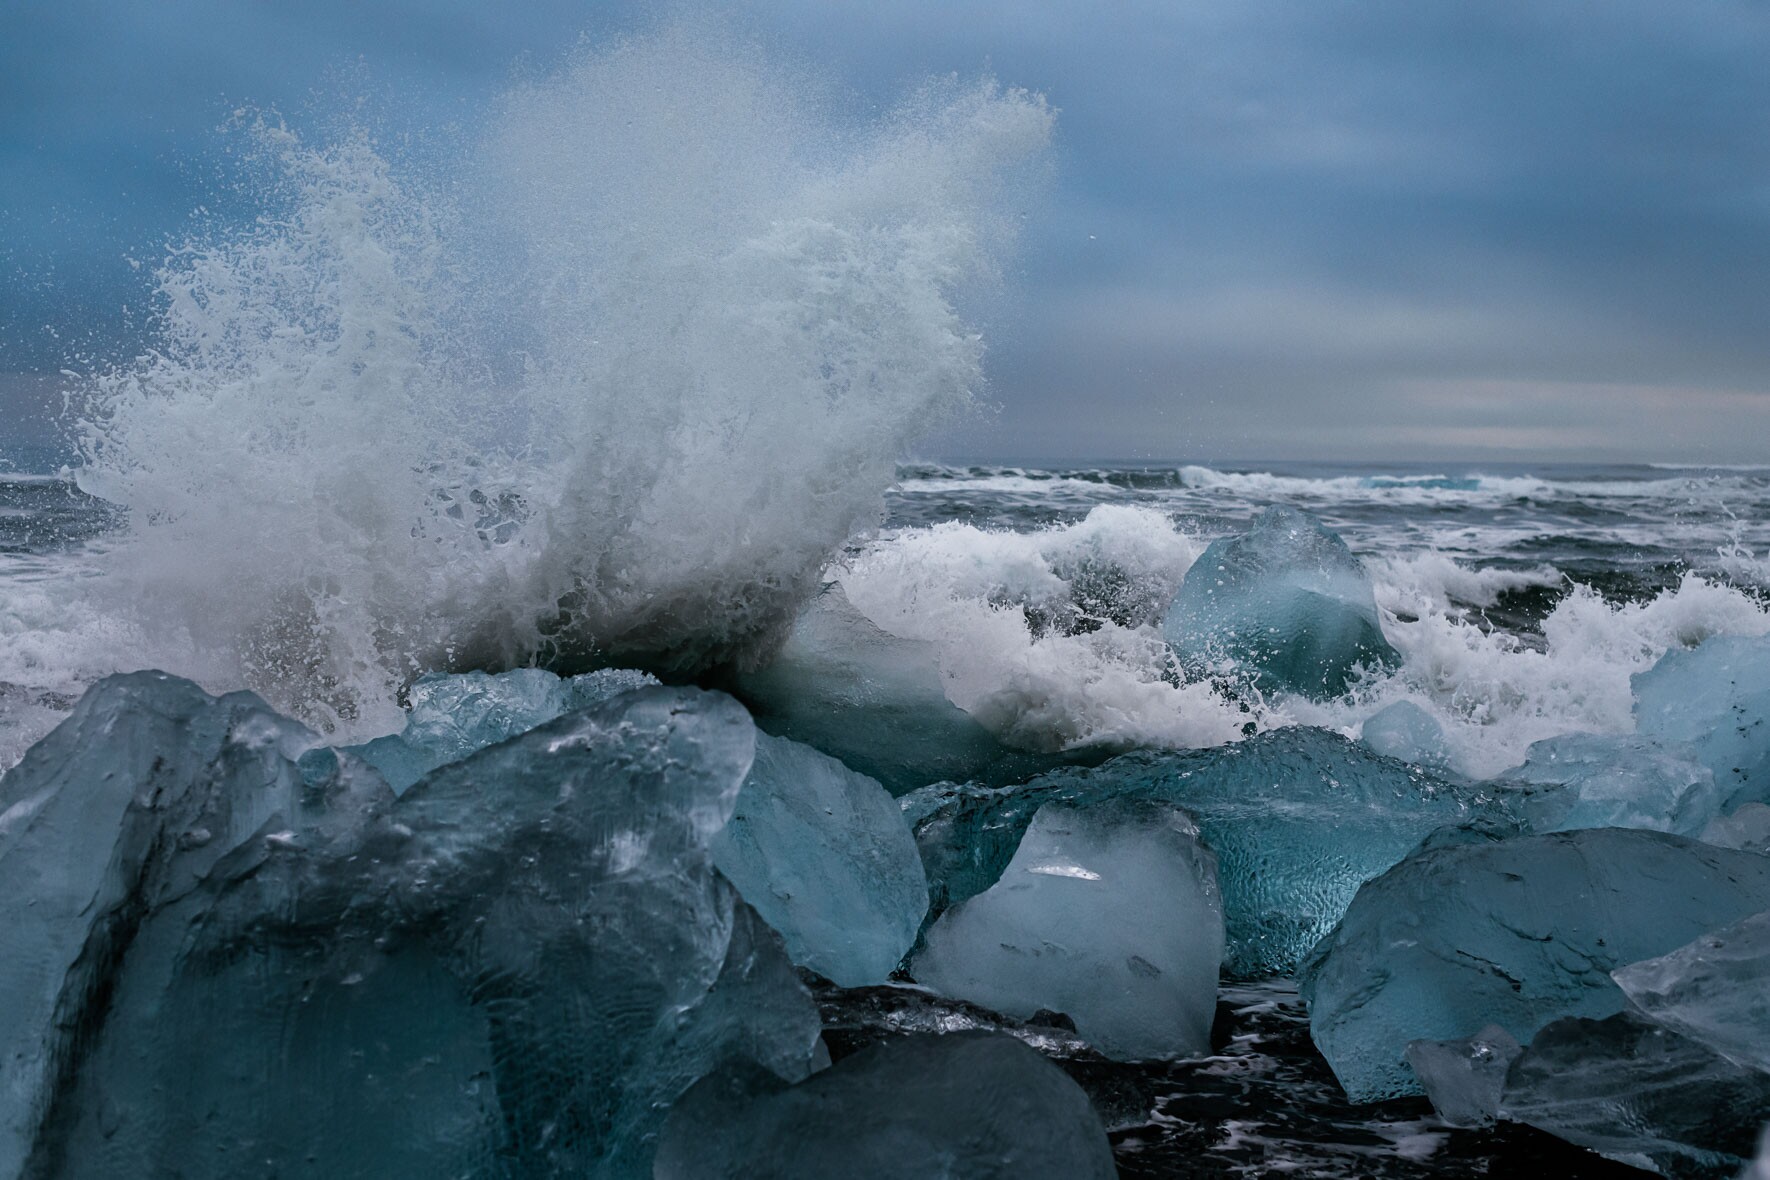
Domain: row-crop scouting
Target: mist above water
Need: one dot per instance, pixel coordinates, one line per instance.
(610, 385)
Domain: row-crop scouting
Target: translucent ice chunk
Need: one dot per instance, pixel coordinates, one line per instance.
(1715, 989)
(514, 967)
(1639, 1094)
(1747, 828)
(1470, 931)
(826, 858)
(1407, 733)
(978, 1105)
(875, 701)
(1463, 1078)
(1715, 696)
(1285, 604)
(454, 715)
(1108, 914)
(1299, 819)
(1592, 780)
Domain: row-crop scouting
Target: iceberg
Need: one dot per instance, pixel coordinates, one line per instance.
(1716, 697)
(1108, 914)
(1407, 733)
(824, 855)
(1592, 780)
(1299, 818)
(453, 715)
(875, 701)
(1464, 1078)
(1470, 931)
(1747, 828)
(1714, 990)
(1284, 605)
(973, 1104)
(1639, 1094)
(515, 966)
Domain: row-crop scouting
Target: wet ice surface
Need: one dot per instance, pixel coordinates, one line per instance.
(1264, 1104)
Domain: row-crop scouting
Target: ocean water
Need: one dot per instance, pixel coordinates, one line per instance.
(646, 402)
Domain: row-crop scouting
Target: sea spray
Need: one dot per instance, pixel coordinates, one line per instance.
(612, 386)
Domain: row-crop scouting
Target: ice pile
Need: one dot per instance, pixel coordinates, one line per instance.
(1470, 931)
(249, 955)
(1298, 818)
(824, 855)
(1716, 697)
(1107, 913)
(977, 1105)
(1590, 780)
(1285, 606)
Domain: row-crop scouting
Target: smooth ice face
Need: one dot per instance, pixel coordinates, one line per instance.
(133, 800)
(454, 715)
(875, 701)
(1463, 1078)
(1285, 605)
(1715, 990)
(1299, 819)
(1639, 1094)
(1592, 780)
(972, 1104)
(1715, 696)
(1109, 914)
(1407, 733)
(826, 858)
(515, 966)
(1470, 931)
(1747, 828)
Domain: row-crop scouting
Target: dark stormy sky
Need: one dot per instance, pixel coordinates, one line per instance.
(1383, 230)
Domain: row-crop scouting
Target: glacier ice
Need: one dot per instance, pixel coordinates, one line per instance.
(1407, 733)
(1714, 990)
(1639, 1094)
(1470, 931)
(977, 1105)
(1284, 604)
(1747, 828)
(1715, 696)
(1463, 1078)
(824, 855)
(1107, 913)
(512, 967)
(451, 716)
(1299, 818)
(875, 701)
(1593, 780)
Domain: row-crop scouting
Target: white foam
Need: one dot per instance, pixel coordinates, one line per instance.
(618, 382)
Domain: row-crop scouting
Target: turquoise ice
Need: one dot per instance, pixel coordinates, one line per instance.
(1470, 931)
(1715, 696)
(1592, 780)
(1108, 913)
(1284, 605)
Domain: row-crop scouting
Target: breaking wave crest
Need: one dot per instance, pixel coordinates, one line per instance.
(611, 387)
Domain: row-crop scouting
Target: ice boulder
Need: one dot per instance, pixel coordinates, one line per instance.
(875, 701)
(1715, 990)
(1299, 819)
(1639, 1094)
(1470, 931)
(982, 1106)
(1716, 697)
(1407, 733)
(1285, 605)
(1747, 828)
(1464, 1078)
(1108, 914)
(451, 716)
(826, 858)
(512, 968)
(1593, 780)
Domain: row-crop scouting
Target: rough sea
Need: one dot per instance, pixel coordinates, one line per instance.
(1521, 596)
